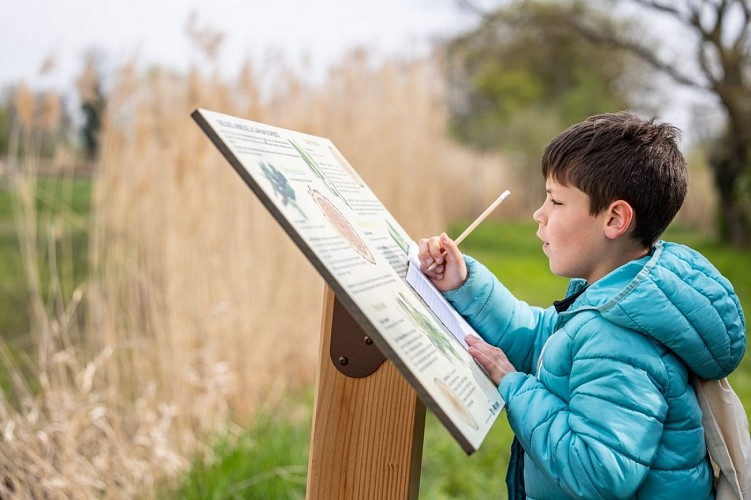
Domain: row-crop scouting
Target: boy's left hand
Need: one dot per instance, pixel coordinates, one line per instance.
(493, 360)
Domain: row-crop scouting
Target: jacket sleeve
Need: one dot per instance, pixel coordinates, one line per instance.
(600, 443)
(501, 319)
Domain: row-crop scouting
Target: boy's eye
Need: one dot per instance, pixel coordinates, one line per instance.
(554, 202)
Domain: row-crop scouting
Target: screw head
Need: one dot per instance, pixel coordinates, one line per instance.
(343, 360)
(368, 340)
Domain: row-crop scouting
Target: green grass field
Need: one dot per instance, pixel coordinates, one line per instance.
(270, 459)
(64, 202)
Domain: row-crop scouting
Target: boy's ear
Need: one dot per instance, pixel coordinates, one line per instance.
(618, 218)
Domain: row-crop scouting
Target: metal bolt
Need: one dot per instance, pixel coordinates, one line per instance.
(343, 360)
(368, 340)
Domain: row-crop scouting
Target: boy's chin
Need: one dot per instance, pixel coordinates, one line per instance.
(560, 272)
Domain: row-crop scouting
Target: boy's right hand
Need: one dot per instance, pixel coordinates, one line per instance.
(451, 271)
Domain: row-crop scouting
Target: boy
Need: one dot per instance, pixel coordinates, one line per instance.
(597, 386)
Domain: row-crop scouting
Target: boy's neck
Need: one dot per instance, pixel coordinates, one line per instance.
(622, 254)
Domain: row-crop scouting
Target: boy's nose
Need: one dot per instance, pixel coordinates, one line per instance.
(537, 216)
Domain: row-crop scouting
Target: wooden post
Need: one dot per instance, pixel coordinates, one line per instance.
(367, 432)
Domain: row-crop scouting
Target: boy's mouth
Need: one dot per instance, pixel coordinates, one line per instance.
(544, 243)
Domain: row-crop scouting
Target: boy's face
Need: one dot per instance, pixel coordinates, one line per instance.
(573, 239)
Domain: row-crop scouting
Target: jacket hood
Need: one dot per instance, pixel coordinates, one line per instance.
(676, 296)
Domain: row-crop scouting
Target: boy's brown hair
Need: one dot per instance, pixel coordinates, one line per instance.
(619, 156)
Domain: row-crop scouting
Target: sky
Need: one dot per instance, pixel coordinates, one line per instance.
(153, 32)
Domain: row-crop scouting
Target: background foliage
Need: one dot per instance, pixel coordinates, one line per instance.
(599, 50)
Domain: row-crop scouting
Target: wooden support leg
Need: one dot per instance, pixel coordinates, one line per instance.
(367, 433)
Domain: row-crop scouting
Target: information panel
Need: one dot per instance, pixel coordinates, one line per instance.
(362, 253)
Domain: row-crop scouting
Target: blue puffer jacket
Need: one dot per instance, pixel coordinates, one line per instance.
(602, 402)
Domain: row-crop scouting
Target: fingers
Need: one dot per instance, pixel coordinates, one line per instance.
(491, 359)
(436, 249)
(450, 249)
(430, 250)
(442, 262)
(430, 253)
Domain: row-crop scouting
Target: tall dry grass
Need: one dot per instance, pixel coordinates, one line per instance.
(198, 308)
(207, 274)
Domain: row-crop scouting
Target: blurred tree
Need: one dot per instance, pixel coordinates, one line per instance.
(524, 74)
(92, 114)
(714, 56)
(92, 105)
(4, 128)
(718, 33)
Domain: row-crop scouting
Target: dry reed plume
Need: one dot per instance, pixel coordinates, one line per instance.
(198, 309)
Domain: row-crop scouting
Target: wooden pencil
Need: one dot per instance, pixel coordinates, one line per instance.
(476, 223)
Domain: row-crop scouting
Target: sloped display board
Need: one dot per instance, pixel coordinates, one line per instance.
(361, 251)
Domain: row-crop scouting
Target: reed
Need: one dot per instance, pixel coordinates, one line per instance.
(198, 309)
